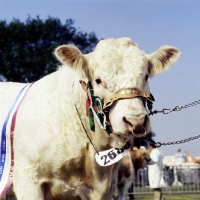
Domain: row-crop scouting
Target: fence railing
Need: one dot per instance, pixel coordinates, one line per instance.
(178, 179)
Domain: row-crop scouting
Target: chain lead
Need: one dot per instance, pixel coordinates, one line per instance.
(159, 144)
(167, 111)
(176, 108)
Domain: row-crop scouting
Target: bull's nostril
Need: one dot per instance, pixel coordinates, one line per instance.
(127, 122)
(140, 127)
(145, 120)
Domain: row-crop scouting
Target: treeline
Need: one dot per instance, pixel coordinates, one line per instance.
(26, 47)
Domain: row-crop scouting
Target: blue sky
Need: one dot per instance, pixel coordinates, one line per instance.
(151, 24)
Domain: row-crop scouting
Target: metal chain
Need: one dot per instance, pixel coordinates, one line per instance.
(169, 110)
(159, 144)
(176, 108)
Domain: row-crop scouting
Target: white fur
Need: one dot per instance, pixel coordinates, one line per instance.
(49, 132)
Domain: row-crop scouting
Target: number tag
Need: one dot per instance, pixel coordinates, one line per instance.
(111, 156)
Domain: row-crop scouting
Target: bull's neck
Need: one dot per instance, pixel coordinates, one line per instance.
(98, 138)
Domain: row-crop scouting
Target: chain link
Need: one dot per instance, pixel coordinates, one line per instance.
(159, 144)
(169, 110)
(176, 108)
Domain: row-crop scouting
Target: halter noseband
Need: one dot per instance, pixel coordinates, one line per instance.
(128, 93)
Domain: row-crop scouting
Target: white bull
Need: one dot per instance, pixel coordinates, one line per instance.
(54, 146)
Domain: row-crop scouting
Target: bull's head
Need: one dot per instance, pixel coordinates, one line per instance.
(119, 65)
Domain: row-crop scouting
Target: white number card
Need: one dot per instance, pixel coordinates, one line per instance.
(111, 156)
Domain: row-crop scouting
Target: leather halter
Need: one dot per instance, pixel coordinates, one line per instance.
(128, 93)
(103, 108)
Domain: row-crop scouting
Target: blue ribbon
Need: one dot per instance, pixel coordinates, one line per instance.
(3, 136)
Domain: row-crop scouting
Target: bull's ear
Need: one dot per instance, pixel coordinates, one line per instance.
(162, 59)
(72, 56)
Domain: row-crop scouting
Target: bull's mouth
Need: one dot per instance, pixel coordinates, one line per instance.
(139, 134)
(131, 134)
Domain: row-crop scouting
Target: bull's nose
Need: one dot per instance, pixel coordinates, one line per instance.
(137, 124)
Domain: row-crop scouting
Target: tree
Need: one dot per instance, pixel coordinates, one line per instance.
(26, 48)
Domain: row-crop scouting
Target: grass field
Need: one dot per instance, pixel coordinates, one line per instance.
(166, 197)
(169, 197)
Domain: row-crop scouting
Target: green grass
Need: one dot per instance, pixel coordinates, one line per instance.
(168, 196)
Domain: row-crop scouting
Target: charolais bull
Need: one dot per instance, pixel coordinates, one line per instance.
(64, 135)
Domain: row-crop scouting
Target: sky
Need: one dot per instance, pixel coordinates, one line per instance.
(151, 24)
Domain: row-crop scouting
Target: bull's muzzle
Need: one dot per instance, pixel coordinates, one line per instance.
(136, 125)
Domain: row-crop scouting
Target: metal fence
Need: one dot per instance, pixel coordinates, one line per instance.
(178, 179)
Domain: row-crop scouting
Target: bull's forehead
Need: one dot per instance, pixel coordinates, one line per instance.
(119, 63)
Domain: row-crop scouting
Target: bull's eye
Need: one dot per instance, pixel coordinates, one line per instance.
(146, 78)
(98, 81)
